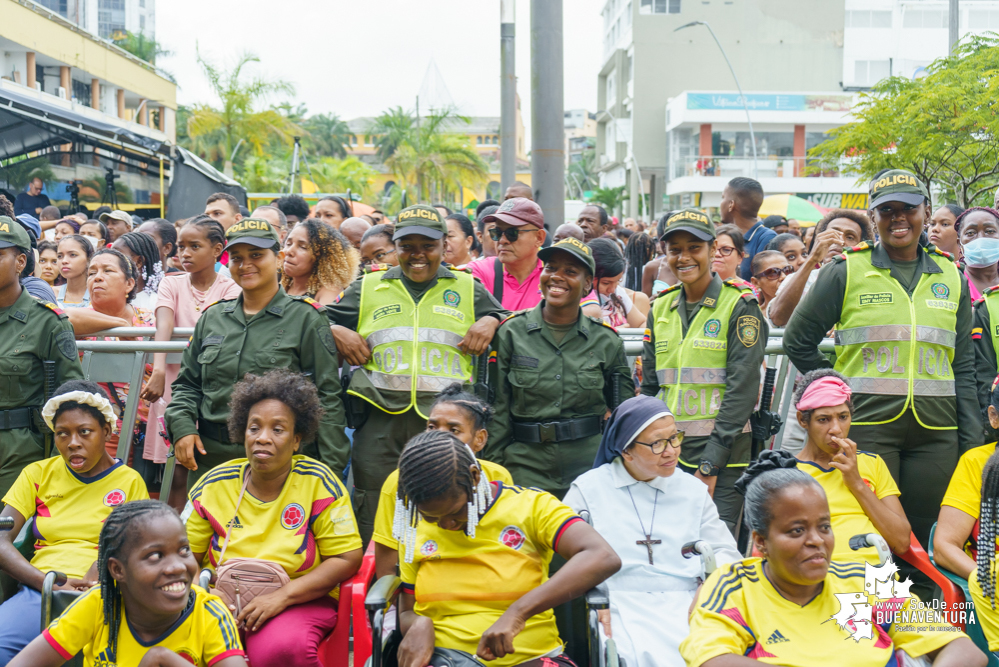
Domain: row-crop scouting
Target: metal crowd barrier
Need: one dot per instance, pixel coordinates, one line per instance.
(113, 361)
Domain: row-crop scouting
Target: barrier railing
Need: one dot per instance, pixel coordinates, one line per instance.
(102, 362)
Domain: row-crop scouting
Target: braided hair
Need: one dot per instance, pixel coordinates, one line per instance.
(145, 247)
(769, 475)
(433, 464)
(210, 227)
(127, 267)
(640, 250)
(117, 536)
(335, 261)
(989, 517)
(481, 412)
(168, 234)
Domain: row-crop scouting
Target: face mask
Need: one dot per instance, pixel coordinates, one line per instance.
(982, 252)
(92, 240)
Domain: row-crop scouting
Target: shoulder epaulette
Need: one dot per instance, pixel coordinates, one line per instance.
(942, 253)
(53, 307)
(371, 268)
(513, 315)
(738, 283)
(215, 302)
(977, 302)
(671, 288)
(991, 290)
(312, 302)
(750, 296)
(860, 247)
(599, 320)
(841, 257)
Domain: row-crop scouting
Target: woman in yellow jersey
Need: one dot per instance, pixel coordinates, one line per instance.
(466, 417)
(281, 507)
(69, 496)
(792, 607)
(863, 497)
(955, 542)
(145, 611)
(475, 568)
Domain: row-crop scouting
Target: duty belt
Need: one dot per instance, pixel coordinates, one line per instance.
(215, 431)
(558, 431)
(16, 418)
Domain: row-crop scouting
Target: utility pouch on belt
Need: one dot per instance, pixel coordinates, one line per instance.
(355, 409)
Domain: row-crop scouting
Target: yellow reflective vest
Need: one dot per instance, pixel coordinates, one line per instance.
(890, 344)
(414, 346)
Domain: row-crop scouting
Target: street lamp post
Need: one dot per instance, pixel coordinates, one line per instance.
(634, 161)
(752, 137)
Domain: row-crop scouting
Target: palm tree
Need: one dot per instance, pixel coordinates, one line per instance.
(215, 132)
(350, 173)
(260, 174)
(610, 198)
(431, 160)
(18, 172)
(328, 135)
(391, 128)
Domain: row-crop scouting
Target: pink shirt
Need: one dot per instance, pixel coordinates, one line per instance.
(517, 296)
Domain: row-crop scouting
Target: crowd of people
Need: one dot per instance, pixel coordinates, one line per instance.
(452, 389)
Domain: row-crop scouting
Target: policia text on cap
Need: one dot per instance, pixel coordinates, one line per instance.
(902, 318)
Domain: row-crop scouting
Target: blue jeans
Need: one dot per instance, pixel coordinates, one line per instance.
(20, 622)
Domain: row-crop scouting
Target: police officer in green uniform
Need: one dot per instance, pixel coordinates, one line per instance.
(704, 344)
(262, 329)
(985, 337)
(556, 373)
(902, 318)
(413, 330)
(31, 332)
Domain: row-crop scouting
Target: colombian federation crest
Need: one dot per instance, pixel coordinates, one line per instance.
(293, 516)
(114, 498)
(513, 537)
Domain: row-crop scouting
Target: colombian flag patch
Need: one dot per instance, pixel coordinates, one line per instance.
(976, 333)
(647, 337)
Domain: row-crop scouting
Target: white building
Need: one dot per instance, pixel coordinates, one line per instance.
(107, 17)
(708, 143)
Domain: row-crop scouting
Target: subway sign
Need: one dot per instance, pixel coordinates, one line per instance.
(836, 200)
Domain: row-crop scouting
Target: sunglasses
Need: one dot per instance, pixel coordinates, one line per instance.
(774, 273)
(511, 234)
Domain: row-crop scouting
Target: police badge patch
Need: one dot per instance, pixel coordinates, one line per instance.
(451, 298)
(711, 328)
(748, 328)
(326, 336)
(67, 345)
(940, 290)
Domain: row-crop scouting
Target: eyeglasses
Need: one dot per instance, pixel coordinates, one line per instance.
(378, 258)
(511, 233)
(724, 251)
(774, 273)
(659, 446)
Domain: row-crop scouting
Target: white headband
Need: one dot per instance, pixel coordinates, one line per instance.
(86, 398)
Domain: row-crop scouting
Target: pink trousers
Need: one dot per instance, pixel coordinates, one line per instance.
(291, 639)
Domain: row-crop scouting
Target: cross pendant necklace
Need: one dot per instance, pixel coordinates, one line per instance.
(648, 541)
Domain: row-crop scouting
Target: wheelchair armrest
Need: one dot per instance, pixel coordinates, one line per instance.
(598, 598)
(383, 590)
(205, 578)
(51, 579)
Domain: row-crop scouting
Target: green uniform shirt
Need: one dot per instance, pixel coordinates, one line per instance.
(30, 332)
(820, 311)
(537, 379)
(742, 374)
(346, 313)
(985, 356)
(287, 333)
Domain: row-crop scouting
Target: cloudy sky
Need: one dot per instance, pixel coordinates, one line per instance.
(359, 57)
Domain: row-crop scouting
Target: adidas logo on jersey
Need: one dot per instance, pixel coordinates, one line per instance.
(777, 638)
(235, 523)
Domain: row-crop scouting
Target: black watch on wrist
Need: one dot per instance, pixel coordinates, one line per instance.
(708, 469)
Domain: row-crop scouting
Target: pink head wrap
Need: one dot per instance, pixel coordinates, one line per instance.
(826, 392)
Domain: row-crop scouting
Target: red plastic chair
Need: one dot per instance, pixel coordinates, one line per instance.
(334, 651)
(919, 559)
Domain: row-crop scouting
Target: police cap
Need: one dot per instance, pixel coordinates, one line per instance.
(692, 221)
(897, 185)
(419, 219)
(256, 232)
(13, 235)
(577, 249)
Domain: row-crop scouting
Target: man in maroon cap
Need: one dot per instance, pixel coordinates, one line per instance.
(512, 276)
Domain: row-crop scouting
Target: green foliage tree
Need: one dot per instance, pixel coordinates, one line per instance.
(432, 159)
(582, 174)
(20, 171)
(331, 175)
(328, 135)
(392, 128)
(263, 174)
(214, 132)
(944, 127)
(610, 198)
(141, 46)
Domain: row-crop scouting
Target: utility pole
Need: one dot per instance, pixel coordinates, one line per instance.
(954, 24)
(508, 95)
(547, 113)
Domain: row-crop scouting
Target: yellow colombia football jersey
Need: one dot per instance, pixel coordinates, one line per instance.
(740, 612)
(965, 489)
(848, 517)
(203, 635)
(465, 585)
(310, 520)
(70, 510)
(494, 472)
